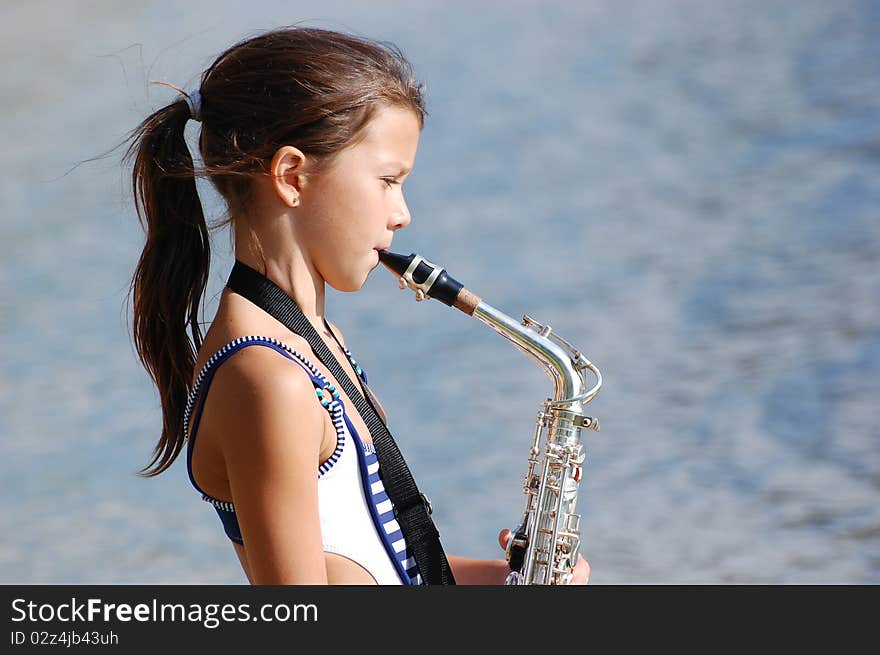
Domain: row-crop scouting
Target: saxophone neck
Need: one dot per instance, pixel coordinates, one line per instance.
(564, 364)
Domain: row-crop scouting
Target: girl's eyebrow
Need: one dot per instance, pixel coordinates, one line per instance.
(404, 169)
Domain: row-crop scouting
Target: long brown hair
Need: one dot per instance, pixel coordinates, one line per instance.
(312, 88)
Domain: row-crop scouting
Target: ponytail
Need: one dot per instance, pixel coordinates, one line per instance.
(172, 272)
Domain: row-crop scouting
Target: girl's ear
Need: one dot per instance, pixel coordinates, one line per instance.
(287, 170)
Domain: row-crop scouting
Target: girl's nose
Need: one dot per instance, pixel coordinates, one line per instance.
(400, 218)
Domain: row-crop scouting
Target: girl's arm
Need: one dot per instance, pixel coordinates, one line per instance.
(468, 570)
(271, 463)
(471, 571)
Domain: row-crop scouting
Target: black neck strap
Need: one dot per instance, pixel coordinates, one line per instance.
(410, 505)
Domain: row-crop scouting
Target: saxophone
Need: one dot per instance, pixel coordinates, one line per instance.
(544, 545)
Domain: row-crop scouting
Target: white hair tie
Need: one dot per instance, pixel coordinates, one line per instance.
(194, 102)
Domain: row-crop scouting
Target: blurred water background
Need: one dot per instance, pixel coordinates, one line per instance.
(689, 191)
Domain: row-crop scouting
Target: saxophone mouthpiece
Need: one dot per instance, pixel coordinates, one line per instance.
(394, 262)
(428, 280)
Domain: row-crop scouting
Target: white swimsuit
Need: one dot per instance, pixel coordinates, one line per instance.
(357, 517)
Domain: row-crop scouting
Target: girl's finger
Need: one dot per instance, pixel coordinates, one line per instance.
(581, 571)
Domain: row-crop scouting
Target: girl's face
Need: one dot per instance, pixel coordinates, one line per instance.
(352, 209)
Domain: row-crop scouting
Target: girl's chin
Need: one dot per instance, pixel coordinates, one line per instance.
(350, 283)
(355, 279)
(348, 287)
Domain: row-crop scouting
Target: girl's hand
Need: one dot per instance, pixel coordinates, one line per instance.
(581, 570)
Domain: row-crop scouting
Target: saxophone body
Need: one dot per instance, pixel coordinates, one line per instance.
(544, 545)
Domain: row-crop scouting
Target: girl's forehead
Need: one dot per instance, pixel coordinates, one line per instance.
(388, 144)
(392, 135)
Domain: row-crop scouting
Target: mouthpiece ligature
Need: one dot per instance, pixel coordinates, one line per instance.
(429, 280)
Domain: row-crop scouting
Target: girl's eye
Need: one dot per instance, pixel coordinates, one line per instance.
(389, 181)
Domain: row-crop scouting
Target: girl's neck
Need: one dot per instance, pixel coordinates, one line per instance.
(296, 277)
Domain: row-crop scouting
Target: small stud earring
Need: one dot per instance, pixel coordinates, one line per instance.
(295, 202)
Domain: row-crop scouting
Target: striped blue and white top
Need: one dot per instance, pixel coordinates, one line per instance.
(387, 519)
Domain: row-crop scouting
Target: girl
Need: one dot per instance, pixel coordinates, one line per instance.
(308, 135)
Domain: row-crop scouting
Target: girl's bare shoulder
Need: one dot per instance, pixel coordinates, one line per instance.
(256, 393)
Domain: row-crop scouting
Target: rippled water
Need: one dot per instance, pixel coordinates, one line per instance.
(688, 191)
